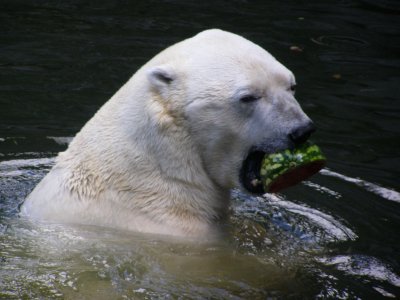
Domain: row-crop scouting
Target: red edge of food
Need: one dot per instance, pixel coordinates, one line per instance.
(296, 175)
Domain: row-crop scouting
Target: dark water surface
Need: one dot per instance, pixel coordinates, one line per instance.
(336, 236)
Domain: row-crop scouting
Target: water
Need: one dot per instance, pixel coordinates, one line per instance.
(335, 236)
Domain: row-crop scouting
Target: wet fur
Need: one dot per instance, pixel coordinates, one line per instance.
(163, 153)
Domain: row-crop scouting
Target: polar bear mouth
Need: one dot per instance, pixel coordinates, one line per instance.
(250, 176)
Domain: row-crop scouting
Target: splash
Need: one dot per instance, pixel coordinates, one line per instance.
(18, 167)
(334, 229)
(386, 193)
(366, 267)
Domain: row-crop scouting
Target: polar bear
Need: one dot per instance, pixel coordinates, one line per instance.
(162, 155)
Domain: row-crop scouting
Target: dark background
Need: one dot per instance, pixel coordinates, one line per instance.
(61, 60)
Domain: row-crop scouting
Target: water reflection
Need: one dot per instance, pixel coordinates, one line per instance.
(275, 249)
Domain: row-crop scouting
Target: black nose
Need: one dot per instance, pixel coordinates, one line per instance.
(302, 133)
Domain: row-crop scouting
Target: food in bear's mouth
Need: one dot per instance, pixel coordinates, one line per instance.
(289, 167)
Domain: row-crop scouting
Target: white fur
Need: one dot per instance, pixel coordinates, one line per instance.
(162, 154)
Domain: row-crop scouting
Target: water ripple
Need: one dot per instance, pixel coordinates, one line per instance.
(335, 230)
(383, 192)
(364, 266)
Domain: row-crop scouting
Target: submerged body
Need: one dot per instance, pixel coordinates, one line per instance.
(163, 153)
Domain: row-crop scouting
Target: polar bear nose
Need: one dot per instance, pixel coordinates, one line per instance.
(302, 133)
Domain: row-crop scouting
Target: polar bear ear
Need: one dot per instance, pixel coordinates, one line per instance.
(161, 76)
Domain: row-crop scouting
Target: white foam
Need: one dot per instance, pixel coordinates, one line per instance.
(386, 193)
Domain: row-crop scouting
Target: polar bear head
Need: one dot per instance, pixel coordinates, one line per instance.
(235, 101)
(163, 153)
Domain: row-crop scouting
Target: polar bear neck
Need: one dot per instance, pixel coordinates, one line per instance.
(151, 167)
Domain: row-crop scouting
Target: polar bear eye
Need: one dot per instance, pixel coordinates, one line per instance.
(293, 87)
(249, 98)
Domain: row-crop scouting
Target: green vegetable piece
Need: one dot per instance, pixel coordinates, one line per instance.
(289, 167)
